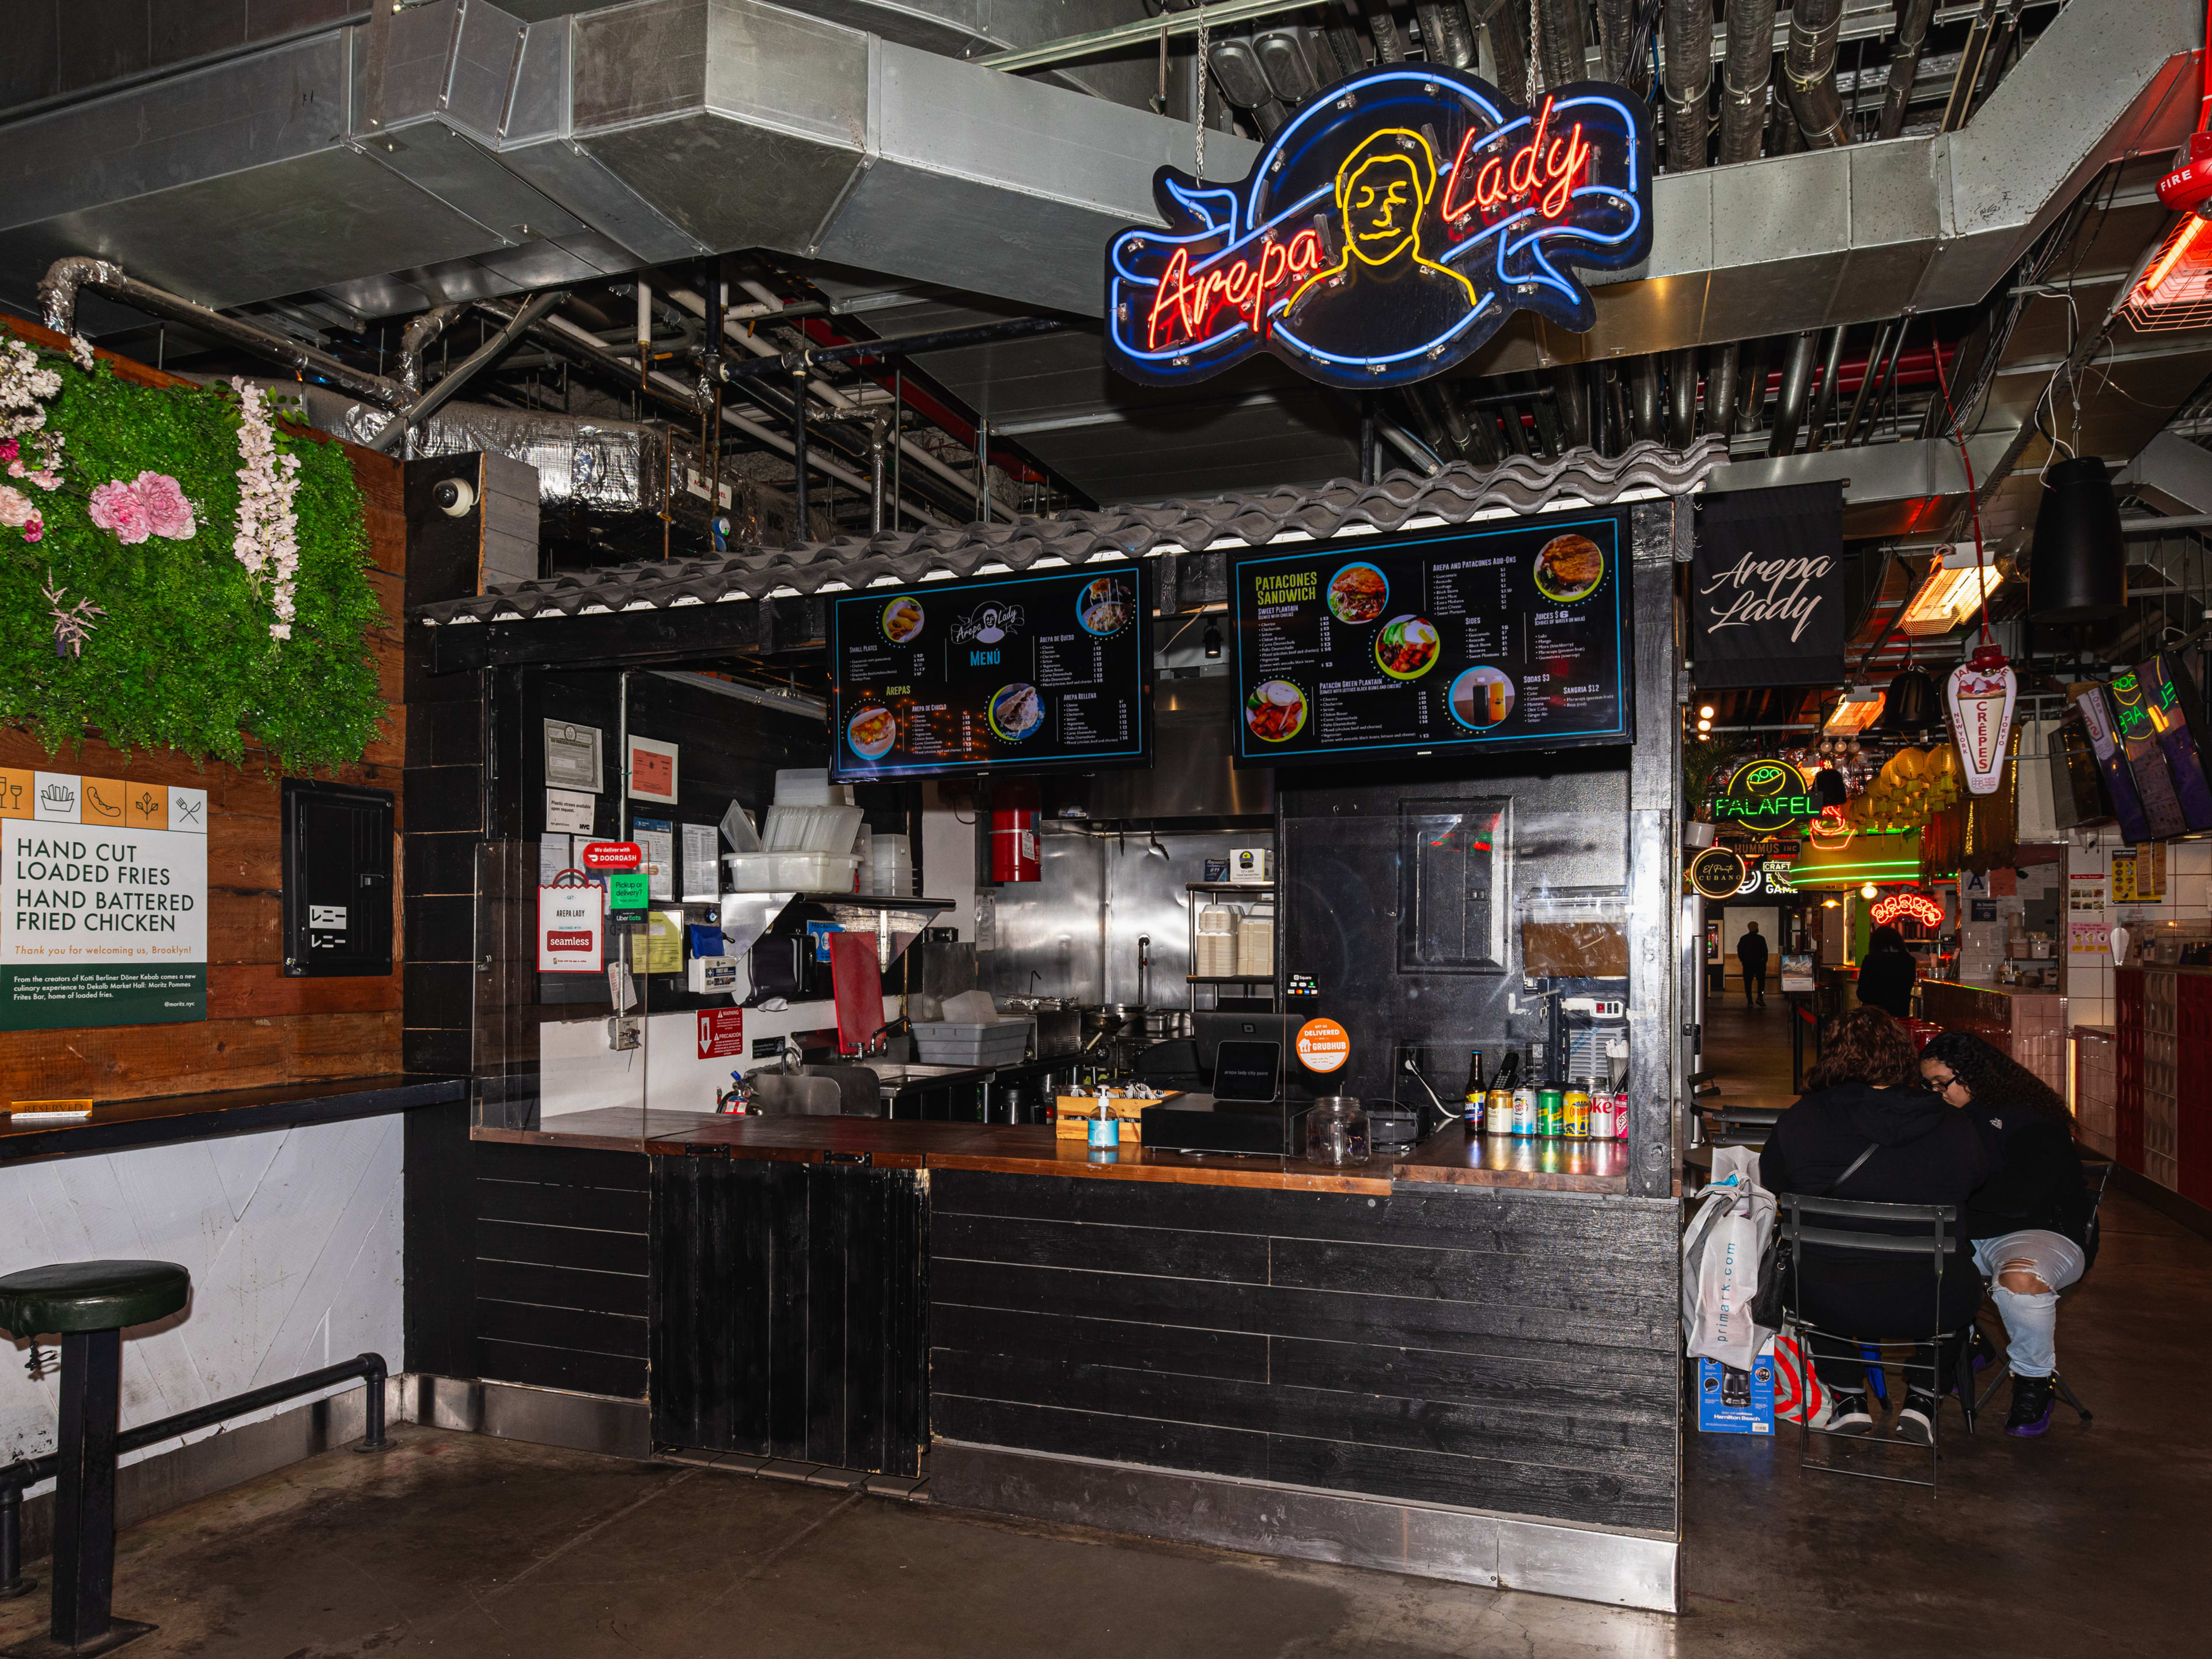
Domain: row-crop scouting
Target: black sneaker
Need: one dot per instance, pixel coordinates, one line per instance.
(2031, 1406)
(1846, 1414)
(1917, 1421)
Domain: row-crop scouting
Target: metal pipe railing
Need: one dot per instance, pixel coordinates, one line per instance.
(28, 1472)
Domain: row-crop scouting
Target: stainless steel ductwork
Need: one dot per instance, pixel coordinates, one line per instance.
(446, 153)
(1810, 65)
(601, 466)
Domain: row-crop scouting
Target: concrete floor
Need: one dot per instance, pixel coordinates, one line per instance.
(2090, 1542)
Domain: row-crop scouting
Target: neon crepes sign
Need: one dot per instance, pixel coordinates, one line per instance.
(1386, 231)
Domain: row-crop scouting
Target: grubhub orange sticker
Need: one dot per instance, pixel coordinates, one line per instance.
(1322, 1045)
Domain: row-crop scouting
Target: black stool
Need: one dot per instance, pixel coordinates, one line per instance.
(87, 1305)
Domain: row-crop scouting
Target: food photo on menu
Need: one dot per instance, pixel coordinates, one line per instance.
(1474, 636)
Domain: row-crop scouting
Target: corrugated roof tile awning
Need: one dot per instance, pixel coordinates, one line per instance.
(1453, 494)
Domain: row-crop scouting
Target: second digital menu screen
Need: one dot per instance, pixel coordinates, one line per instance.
(1462, 639)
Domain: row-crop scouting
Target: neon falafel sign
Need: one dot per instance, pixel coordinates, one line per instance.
(1389, 229)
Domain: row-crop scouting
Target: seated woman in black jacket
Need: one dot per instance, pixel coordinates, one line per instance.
(1886, 973)
(1915, 1149)
(2030, 1219)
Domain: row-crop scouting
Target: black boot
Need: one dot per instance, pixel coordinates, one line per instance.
(2031, 1406)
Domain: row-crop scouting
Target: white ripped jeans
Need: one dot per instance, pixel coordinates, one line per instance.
(2031, 1316)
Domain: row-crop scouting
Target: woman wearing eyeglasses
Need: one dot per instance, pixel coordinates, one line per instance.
(2030, 1219)
(1865, 1131)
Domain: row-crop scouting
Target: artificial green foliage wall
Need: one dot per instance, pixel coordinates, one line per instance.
(182, 657)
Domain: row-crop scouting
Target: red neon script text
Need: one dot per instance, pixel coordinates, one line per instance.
(1922, 908)
(1552, 168)
(1241, 286)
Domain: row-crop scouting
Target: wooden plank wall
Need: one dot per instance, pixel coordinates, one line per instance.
(527, 1264)
(788, 1311)
(1487, 1349)
(262, 1028)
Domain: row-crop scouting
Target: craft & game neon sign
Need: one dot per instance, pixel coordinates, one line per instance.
(1388, 229)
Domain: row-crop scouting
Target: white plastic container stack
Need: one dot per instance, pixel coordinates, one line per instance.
(889, 870)
(1256, 948)
(810, 787)
(783, 873)
(1217, 943)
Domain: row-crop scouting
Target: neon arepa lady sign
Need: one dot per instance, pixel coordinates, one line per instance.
(1385, 232)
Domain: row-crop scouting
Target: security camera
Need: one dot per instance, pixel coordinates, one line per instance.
(454, 496)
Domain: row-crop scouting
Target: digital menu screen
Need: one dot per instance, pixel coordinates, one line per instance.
(1020, 673)
(1505, 634)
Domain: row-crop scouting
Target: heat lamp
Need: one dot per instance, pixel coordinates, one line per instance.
(1954, 589)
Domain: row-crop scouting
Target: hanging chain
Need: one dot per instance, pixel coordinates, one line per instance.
(1535, 57)
(1200, 174)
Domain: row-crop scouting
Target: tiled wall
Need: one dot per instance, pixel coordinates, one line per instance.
(2188, 899)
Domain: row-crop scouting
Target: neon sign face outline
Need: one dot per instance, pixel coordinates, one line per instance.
(1274, 262)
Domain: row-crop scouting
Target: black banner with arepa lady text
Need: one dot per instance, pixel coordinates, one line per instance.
(1766, 589)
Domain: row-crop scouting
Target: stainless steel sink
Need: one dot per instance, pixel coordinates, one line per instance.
(797, 1095)
(897, 1074)
(860, 1092)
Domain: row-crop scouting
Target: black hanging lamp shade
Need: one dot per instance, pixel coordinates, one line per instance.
(1911, 704)
(1828, 787)
(2078, 572)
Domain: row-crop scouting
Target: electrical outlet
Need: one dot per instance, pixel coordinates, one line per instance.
(624, 1034)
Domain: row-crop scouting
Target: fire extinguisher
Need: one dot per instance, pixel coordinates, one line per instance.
(1014, 832)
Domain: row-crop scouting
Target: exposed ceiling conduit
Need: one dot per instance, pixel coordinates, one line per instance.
(1682, 398)
(1508, 48)
(418, 337)
(1903, 63)
(1562, 49)
(1746, 69)
(1796, 390)
(449, 385)
(1809, 63)
(67, 278)
(1689, 81)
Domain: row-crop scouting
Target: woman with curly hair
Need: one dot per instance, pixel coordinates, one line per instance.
(2030, 1220)
(1863, 1130)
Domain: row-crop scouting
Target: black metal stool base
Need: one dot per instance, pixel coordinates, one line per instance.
(119, 1631)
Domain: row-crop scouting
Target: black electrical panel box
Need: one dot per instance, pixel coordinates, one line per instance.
(337, 880)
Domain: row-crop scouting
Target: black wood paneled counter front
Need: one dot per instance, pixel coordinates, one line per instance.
(1427, 1364)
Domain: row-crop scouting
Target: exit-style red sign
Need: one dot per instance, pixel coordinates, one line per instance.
(721, 1033)
(613, 855)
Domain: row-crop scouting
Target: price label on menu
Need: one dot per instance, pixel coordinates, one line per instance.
(1487, 636)
(1024, 673)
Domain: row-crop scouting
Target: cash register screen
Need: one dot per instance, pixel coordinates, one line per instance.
(1247, 1070)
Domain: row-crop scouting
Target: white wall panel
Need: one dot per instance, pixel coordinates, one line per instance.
(292, 1239)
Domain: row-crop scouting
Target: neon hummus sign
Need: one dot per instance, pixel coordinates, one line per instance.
(1385, 232)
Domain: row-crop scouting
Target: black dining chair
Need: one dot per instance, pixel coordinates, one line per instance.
(1803, 1221)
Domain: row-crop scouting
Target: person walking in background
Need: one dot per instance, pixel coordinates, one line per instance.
(1751, 952)
(2029, 1221)
(1887, 973)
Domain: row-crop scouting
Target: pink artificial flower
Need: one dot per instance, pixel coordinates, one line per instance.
(8, 449)
(14, 468)
(35, 530)
(167, 513)
(48, 480)
(16, 509)
(116, 507)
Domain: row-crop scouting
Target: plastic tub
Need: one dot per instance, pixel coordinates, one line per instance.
(970, 1043)
(776, 872)
(810, 828)
(810, 787)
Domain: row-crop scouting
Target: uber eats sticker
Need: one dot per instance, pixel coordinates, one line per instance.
(103, 918)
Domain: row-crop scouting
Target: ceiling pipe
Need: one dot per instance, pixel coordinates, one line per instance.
(1571, 392)
(418, 337)
(1809, 63)
(1614, 25)
(1682, 398)
(948, 339)
(1720, 391)
(66, 277)
(1824, 407)
(1643, 406)
(1796, 391)
(1689, 81)
(1903, 64)
(1562, 49)
(770, 363)
(1745, 68)
(1508, 47)
(537, 307)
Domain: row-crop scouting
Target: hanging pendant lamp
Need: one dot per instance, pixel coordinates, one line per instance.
(1828, 789)
(2078, 570)
(1911, 704)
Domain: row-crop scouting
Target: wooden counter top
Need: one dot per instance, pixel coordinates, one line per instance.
(1450, 1157)
(116, 1125)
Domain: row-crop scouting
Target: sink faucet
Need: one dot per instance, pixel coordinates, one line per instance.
(793, 1058)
